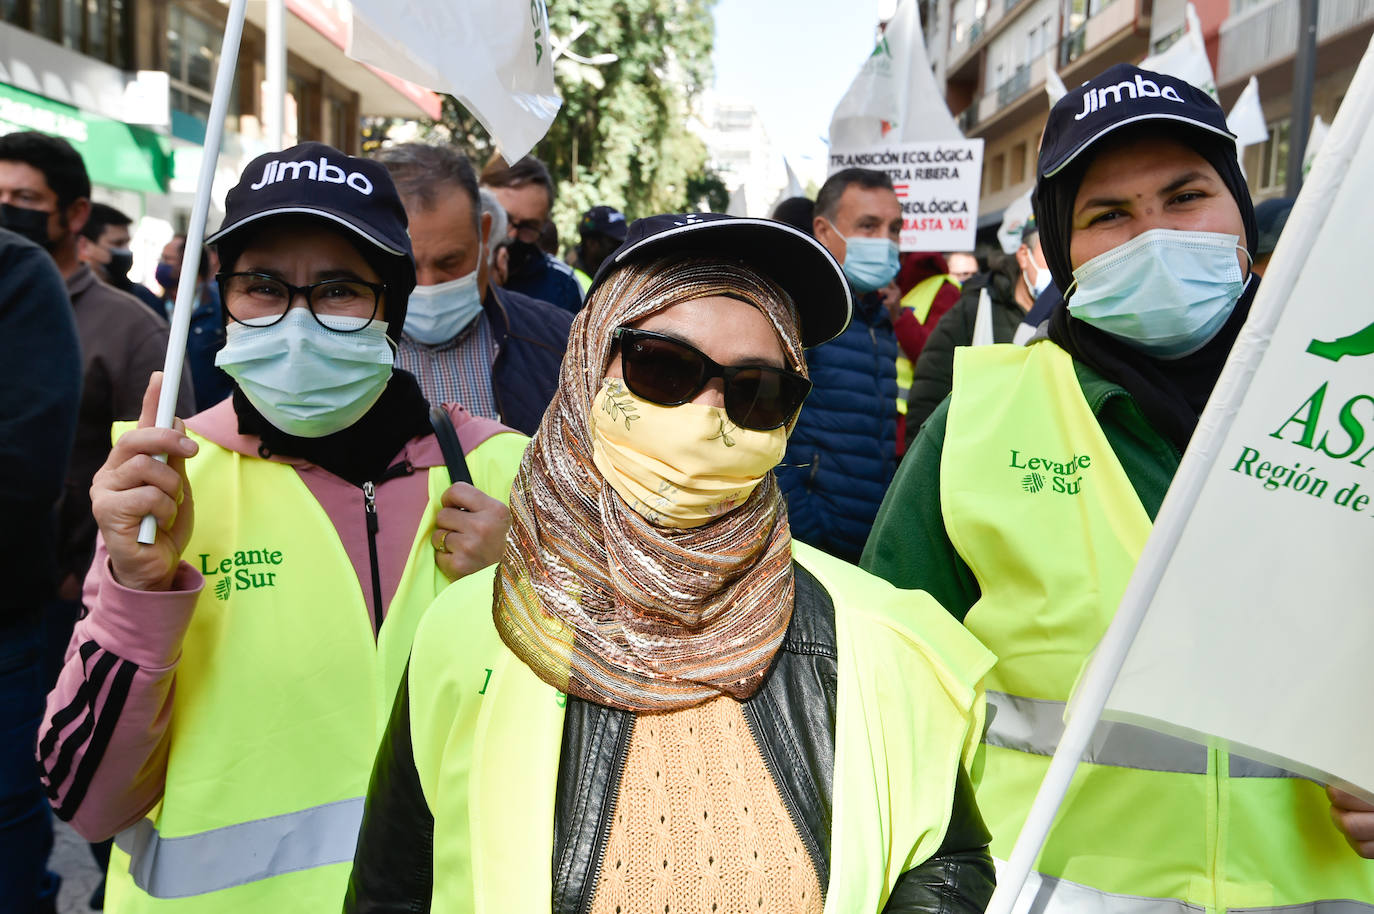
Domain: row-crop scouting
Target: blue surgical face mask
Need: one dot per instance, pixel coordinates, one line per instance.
(1165, 292)
(307, 380)
(436, 314)
(870, 263)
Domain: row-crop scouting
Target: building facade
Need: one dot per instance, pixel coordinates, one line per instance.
(993, 58)
(740, 152)
(1259, 38)
(129, 83)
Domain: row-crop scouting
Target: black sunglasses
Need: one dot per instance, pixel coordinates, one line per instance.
(669, 372)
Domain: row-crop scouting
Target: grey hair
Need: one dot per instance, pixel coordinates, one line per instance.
(420, 169)
(499, 222)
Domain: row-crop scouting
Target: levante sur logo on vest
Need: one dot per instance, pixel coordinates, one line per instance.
(246, 569)
(1051, 474)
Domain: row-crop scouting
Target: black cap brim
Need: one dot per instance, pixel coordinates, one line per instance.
(798, 263)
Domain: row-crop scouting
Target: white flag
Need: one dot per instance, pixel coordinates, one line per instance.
(1013, 220)
(494, 56)
(1246, 119)
(1186, 58)
(1257, 637)
(1314, 143)
(1054, 86)
(895, 97)
(739, 203)
(791, 189)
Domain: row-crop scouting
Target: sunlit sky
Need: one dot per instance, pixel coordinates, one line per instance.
(794, 60)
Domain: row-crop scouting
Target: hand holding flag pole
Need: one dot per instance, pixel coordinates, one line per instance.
(195, 235)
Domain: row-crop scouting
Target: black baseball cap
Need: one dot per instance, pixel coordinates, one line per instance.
(603, 220)
(1118, 97)
(357, 195)
(795, 261)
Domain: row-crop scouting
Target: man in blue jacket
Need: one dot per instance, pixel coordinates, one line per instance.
(492, 350)
(843, 452)
(526, 192)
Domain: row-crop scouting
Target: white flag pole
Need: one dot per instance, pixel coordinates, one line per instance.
(1093, 690)
(195, 235)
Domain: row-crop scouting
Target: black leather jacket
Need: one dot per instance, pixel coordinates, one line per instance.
(792, 718)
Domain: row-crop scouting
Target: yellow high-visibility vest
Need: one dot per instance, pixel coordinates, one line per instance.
(919, 299)
(281, 695)
(486, 735)
(1038, 505)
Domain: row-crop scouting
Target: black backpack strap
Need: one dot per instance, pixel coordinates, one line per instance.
(448, 443)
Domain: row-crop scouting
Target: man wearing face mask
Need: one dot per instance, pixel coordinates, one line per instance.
(104, 247)
(492, 350)
(45, 196)
(1029, 496)
(205, 337)
(843, 451)
(526, 192)
(221, 699)
(990, 309)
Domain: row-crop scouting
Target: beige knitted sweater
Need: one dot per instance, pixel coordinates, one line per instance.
(699, 826)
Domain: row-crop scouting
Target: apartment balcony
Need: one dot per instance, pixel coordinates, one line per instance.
(1268, 34)
(963, 54)
(1073, 45)
(1117, 31)
(1013, 90)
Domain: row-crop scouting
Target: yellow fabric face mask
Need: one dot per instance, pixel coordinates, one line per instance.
(678, 466)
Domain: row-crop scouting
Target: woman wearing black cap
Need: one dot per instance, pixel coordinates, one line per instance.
(222, 698)
(1030, 494)
(679, 708)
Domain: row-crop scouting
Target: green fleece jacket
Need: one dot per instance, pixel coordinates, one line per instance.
(909, 545)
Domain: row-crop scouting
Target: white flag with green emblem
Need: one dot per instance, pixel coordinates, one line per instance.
(1257, 637)
(494, 56)
(895, 97)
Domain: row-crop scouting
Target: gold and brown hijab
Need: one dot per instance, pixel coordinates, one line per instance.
(596, 600)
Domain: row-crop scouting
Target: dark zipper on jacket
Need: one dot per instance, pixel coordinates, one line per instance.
(771, 761)
(403, 468)
(603, 822)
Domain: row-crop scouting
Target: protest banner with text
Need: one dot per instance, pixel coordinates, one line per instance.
(937, 184)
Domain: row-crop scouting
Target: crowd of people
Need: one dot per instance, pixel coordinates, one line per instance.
(686, 574)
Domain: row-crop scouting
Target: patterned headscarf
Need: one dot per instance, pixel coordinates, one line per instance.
(596, 600)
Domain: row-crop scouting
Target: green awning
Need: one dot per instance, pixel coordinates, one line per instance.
(116, 154)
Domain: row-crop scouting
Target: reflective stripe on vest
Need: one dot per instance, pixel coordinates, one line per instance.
(1036, 725)
(237, 854)
(906, 373)
(482, 721)
(1049, 895)
(1036, 503)
(282, 691)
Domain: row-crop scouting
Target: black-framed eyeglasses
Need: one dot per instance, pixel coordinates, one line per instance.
(667, 371)
(526, 229)
(260, 300)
